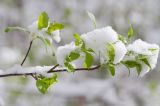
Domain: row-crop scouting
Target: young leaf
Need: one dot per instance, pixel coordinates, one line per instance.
(8, 29)
(152, 49)
(110, 51)
(111, 68)
(73, 56)
(43, 20)
(133, 64)
(92, 17)
(144, 59)
(54, 26)
(77, 39)
(88, 60)
(44, 83)
(69, 67)
(130, 32)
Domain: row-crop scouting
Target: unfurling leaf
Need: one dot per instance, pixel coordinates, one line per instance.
(130, 32)
(92, 17)
(133, 64)
(54, 26)
(43, 84)
(110, 52)
(43, 20)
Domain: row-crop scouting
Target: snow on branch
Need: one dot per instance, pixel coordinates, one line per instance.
(89, 51)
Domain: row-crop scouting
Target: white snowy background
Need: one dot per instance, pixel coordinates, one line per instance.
(96, 88)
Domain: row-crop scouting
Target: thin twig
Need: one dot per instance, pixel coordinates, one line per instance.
(27, 52)
(53, 67)
(50, 71)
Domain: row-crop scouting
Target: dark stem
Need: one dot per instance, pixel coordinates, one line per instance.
(52, 70)
(27, 52)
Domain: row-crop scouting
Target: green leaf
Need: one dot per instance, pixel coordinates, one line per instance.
(144, 59)
(110, 52)
(54, 26)
(44, 83)
(73, 56)
(123, 39)
(77, 39)
(130, 32)
(69, 66)
(133, 64)
(43, 20)
(111, 68)
(90, 50)
(8, 29)
(92, 17)
(88, 60)
(152, 49)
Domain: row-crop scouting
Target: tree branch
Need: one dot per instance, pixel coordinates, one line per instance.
(52, 70)
(27, 52)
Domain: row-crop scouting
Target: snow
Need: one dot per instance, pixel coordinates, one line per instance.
(33, 28)
(142, 47)
(18, 69)
(99, 38)
(96, 40)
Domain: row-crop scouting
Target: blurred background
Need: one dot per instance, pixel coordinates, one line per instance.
(96, 88)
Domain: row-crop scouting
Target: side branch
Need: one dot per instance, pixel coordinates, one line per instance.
(27, 52)
(50, 71)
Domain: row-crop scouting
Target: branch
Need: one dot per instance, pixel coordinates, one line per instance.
(52, 70)
(27, 52)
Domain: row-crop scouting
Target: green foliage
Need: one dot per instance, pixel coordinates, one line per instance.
(8, 29)
(123, 39)
(69, 66)
(78, 40)
(110, 52)
(88, 60)
(43, 20)
(133, 64)
(92, 17)
(69, 58)
(73, 56)
(43, 84)
(130, 32)
(111, 68)
(152, 49)
(54, 26)
(144, 59)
